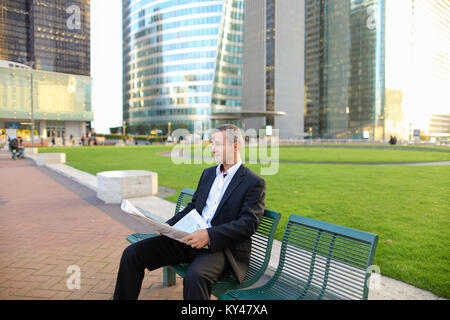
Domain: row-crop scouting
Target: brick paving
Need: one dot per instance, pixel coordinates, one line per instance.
(49, 223)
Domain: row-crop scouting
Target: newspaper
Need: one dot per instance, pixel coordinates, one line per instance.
(188, 224)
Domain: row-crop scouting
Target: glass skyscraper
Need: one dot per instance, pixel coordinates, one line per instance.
(182, 62)
(375, 68)
(50, 35)
(344, 68)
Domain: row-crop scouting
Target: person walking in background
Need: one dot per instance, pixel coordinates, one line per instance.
(13, 146)
(20, 148)
(53, 139)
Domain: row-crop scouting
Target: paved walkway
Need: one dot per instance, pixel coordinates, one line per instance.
(48, 223)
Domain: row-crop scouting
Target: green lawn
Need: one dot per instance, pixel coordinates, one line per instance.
(408, 207)
(359, 155)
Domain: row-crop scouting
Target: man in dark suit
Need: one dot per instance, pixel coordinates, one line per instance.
(231, 200)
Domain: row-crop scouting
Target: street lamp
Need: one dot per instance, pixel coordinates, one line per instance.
(31, 65)
(32, 109)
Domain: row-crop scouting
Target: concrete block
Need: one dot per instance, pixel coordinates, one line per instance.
(43, 159)
(115, 186)
(29, 151)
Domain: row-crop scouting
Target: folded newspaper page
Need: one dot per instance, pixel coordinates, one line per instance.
(190, 222)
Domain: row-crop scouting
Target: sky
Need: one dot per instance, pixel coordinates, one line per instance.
(106, 64)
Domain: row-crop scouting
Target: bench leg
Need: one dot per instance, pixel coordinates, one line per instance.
(169, 277)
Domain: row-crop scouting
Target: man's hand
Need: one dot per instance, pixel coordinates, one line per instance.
(197, 239)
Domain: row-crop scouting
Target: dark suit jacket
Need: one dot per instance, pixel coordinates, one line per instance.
(237, 217)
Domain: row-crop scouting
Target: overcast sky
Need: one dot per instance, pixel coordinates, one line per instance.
(106, 64)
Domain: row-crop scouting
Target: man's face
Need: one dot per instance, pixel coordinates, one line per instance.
(222, 149)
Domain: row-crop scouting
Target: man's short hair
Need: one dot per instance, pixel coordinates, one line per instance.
(233, 133)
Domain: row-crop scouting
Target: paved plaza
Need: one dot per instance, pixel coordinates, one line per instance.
(49, 223)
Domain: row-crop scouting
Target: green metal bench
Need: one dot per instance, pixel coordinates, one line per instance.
(260, 255)
(318, 260)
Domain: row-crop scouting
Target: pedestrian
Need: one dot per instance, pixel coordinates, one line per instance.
(20, 148)
(13, 146)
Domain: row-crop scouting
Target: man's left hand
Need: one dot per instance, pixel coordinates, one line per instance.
(197, 239)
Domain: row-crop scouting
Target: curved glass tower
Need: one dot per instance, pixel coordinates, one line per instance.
(182, 62)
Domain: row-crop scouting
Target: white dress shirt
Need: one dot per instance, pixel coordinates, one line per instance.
(218, 188)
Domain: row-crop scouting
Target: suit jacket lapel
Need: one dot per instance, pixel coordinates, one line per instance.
(207, 187)
(237, 179)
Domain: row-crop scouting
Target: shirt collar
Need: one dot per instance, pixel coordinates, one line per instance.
(230, 172)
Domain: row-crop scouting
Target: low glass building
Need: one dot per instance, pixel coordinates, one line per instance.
(59, 103)
(45, 53)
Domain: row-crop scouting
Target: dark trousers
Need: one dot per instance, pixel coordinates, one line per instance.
(160, 251)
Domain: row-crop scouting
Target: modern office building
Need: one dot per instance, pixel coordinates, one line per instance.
(182, 62)
(344, 68)
(375, 68)
(273, 64)
(58, 102)
(54, 35)
(418, 69)
(45, 54)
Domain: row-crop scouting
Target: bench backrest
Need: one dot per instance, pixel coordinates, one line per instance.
(261, 241)
(320, 260)
(183, 199)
